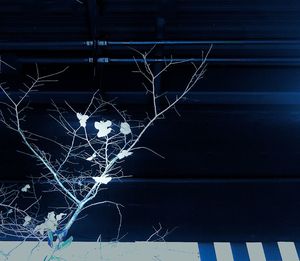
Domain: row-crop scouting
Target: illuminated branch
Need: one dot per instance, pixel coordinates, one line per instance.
(91, 158)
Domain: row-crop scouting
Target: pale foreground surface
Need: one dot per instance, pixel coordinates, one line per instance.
(108, 251)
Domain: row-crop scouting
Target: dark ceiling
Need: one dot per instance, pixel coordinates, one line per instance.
(244, 114)
(242, 121)
(118, 20)
(247, 35)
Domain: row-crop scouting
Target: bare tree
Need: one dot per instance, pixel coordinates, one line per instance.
(90, 159)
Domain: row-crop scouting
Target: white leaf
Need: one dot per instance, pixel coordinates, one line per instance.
(40, 229)
(50, 223)
(91, 157)
(82, 119)
(123, 154)
(60, 216)
(27, 220)
(10, 211)
(103, 179)
(51, 216)
(25, 188)
(125, 128)
(103, 128)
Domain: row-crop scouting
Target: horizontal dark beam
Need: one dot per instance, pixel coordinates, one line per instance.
(228, 180)
(203, 211)
(213, 98)
(90, 45)
(66, 45)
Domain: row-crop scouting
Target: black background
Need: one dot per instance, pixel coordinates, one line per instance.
(231, 170)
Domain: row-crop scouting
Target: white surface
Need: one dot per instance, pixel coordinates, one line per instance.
(223, 251)
(256, 251)
(81, 251)
(288, 251)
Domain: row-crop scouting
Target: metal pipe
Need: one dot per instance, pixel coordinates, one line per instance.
(29, 60)
(89, 60)
(272, 61)
(67, 45)
(114, 43)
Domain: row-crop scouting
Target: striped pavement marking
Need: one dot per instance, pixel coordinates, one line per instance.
(158, 251)
(288, 251)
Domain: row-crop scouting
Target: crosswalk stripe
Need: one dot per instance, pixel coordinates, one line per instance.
(240, 252)
(256, 251)
(272, 252)
(297, 245)
(207, 252)
(288, 251)
(249, 251)
(223, 251)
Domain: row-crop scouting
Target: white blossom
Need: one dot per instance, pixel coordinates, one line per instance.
(123, 154)
(25, 188)
(104, 179)
(103, 128)
(27, 220)
(82, 119)
(125, 128)
(91, 157)
(50, 224)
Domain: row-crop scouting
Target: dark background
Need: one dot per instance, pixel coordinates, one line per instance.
(234, 175)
